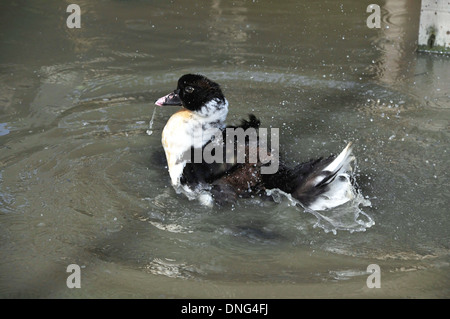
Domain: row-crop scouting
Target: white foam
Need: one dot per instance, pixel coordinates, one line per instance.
(347, 217)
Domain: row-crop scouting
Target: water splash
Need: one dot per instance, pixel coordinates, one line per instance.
(3, 129)
(150, 125)
(348, 217)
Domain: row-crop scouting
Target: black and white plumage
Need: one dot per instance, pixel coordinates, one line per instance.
(318, 184)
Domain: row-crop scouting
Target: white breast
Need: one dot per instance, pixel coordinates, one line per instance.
(186, 129)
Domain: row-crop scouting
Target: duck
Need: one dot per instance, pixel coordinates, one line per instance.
(199, 125)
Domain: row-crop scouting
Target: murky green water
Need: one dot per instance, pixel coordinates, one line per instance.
(82, 183)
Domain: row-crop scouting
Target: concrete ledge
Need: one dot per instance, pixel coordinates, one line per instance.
(434, 30)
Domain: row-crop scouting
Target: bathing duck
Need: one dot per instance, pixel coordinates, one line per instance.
(204, 163)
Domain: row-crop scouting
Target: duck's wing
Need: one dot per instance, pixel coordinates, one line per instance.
(215, 159)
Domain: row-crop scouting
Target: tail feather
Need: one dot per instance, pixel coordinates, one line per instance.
(341, 159)
(328, 183)
(339, 164)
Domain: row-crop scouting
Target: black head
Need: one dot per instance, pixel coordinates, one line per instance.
(193, 92)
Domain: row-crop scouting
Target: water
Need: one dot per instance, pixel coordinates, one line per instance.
(83, 182)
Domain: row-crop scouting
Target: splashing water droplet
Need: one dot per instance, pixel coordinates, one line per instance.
(150, 125)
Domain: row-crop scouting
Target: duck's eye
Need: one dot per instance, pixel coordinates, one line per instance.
(188, 89)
